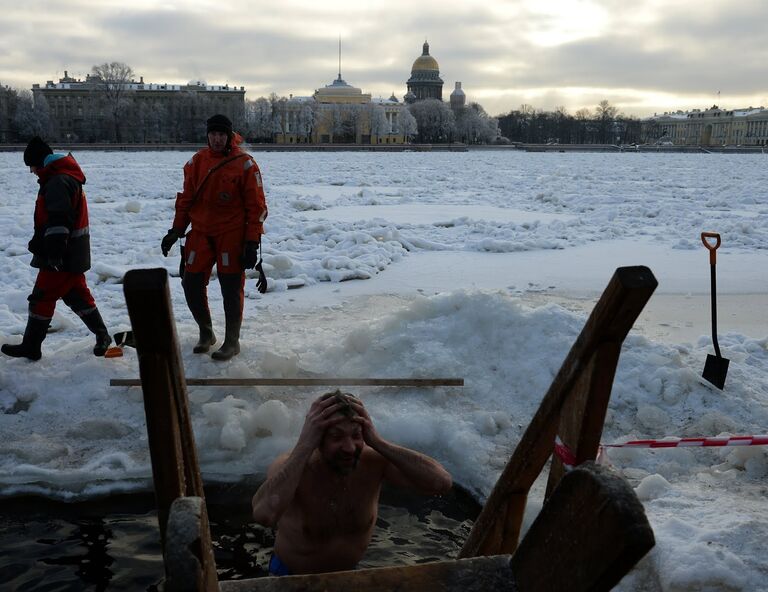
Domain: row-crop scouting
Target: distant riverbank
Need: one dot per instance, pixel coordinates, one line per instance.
(455, 147)
(191, 147)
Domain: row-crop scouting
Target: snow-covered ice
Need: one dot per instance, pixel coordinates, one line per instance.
(481, 265)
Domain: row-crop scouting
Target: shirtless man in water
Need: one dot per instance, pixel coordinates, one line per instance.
(323, 496)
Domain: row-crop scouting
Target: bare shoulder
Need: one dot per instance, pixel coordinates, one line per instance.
(277, 464)
(372, 461)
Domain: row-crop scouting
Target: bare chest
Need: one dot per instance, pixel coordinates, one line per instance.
(338, 509)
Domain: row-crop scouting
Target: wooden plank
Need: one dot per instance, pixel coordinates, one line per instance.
(583, 414)
(614, 314)
(414, 382)
(175, 468)
(586, 538)
(479, 574)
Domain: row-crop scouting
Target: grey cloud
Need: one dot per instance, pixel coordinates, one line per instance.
(687, 49)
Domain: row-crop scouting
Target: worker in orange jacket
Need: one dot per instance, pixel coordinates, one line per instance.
(223, 199)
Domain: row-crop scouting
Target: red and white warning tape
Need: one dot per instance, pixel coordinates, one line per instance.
(568, 458)
(565, 454)
(679, 442)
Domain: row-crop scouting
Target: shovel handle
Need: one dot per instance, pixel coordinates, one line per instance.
(711, 248)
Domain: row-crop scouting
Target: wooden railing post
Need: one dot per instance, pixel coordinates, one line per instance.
(588, 371)
(588, 535)
(175, 469)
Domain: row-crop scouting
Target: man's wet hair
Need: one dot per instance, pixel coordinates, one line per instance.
(343, 399)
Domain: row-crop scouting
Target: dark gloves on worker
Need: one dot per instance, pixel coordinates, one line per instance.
(252, 260)
(261, 283)
(55, 262)
(55, 246)
(169, 240)
(251, 254)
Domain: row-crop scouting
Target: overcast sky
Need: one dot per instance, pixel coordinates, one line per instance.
(644, 56)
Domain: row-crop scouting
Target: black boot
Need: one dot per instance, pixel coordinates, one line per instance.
(197, 301)
(205, 341)
(30, 344)
(232, 294)
(96, 325)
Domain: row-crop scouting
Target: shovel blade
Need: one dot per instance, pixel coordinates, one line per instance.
(114, 352)
(124, 338)
(715, 370)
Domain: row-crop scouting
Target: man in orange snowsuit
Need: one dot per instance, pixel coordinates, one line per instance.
(223, 199)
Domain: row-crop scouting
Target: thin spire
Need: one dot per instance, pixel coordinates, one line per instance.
(339, 57)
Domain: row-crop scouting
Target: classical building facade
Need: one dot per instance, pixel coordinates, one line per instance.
(340, 113)
(425, 81)
(83, 111)
(709, 127)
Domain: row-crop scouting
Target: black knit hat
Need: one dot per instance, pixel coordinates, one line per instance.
(219, 123)
(36, 151)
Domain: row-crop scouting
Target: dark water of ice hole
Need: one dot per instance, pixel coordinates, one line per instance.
(113, 543)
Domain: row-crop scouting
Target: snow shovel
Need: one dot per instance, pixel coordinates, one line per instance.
(716, 367)
(122, 339)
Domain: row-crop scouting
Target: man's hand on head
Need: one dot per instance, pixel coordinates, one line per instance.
(321, 416)
(370, 435)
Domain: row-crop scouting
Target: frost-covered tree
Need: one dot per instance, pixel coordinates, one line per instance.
(378, 121)
(258, 120)
(353, 123)
(473, 126)
(277, 106)
(31, 118)
(406, 124)
(305, 120)
(342, 122)
(152, 118)
(113, 79)
(434, 119)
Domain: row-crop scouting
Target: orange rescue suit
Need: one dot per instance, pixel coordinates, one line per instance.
(231, 198)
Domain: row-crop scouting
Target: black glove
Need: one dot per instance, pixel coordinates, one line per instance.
(261, 283)
(251, 254)
(169, 240)
(55, 262)
(55, 245)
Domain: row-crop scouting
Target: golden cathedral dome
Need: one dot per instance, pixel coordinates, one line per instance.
(425, 62)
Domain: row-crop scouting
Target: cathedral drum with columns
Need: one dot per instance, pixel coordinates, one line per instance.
(425, 81)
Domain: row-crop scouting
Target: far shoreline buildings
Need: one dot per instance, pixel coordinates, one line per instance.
(84, 110)
(709, 128)
(344, 114)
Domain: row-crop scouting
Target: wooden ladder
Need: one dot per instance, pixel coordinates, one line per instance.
(590, 532)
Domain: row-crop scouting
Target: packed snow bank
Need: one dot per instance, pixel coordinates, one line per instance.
(456, 288)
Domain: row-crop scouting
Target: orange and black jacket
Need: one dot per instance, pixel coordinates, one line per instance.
(230, 199)
(61, 218)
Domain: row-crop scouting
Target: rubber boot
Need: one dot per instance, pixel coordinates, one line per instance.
(95, 323)
(29, 347)
(232, 295)
(197, 301)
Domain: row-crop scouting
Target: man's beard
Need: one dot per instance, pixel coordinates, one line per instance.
(345, 463)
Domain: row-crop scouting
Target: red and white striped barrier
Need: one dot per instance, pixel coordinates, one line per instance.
(565, 454)
(568, 458)
(681, 442)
